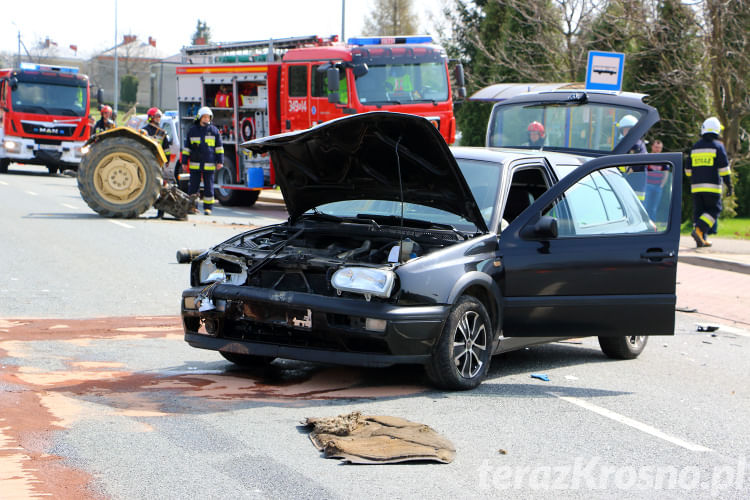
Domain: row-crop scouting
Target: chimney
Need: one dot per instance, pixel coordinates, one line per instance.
(152, 41)
(126, 39)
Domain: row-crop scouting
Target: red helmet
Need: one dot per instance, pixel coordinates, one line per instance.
(536, 127)
(152, 112)
(106, 109)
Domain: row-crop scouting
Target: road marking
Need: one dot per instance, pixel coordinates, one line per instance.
(3, 183)
(127, 226)
(32, 193)
(70, 206)
(633, 423)
(237, 212)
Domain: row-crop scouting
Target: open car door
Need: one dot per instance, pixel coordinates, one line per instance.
(588, 259)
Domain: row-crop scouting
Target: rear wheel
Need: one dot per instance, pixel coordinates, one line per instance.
(53, 169)
(462, 355)
(119, 177)
(623, 347)
(247, 360)
(232, 197)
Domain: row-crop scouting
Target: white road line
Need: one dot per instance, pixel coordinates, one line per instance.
(633, 423)
(3, 183)
(127, 226)
(32, 193)
(70, 206)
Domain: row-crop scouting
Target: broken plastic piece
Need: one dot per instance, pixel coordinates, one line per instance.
(705, 327)
(540, 376)
(206, 305)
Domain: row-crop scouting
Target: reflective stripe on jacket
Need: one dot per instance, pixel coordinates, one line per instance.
(707, 166)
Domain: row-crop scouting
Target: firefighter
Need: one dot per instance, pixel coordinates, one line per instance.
(105, 122)
(205, 152)
(636, 174)
(706, 168)
(536, 135)
(152, 128)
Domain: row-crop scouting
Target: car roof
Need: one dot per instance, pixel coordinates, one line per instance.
(561, 163)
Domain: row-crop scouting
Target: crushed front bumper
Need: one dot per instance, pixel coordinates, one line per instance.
(309, 327)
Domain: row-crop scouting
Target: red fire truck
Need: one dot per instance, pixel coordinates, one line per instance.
(267, 87)
(44, 116)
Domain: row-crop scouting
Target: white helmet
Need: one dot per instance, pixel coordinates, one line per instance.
(627, 121)
(712, 126)
(205, 110)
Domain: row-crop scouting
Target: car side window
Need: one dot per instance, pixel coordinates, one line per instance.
(526, 185)
(605, 203)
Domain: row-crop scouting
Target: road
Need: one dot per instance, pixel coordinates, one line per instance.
(101, 398)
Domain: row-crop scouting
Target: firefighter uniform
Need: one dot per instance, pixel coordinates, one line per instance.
(706, 168)
(205, 150)
(156, 131)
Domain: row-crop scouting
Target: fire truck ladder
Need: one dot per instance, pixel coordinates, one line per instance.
(253, 47)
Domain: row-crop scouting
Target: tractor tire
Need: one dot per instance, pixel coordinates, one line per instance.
(119, 177)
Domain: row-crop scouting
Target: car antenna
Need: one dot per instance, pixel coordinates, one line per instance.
(401, 194)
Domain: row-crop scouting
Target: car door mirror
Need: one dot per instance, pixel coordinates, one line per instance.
(544, 228)
(100, 96)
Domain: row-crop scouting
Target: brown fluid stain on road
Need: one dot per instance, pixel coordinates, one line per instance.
(35, 402)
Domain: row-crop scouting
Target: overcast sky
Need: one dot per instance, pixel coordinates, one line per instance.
(90, 24)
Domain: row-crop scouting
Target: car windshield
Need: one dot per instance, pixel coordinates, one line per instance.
(483, 179)
(583, 127)
(403, 83)
(48, 98)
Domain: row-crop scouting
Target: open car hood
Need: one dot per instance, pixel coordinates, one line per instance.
(354, 158)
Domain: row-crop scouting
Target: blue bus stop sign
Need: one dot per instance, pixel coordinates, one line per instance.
(604, 71)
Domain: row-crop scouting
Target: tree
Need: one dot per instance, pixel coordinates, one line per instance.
(202, 34)
(503, 41)
(391, 17)
(129, 89)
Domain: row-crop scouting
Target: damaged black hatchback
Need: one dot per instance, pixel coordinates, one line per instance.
(398, 250)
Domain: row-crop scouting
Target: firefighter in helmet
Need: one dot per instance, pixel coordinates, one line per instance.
(105, 122)
(205, 151)
(153, 129)
(707, 168)
(536, 135)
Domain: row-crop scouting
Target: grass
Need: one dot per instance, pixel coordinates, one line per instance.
(737, 228)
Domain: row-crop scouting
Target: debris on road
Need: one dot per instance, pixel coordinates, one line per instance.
(376, 439)
(540, 376)
(571, 377)
(685, 309)
(705, 327)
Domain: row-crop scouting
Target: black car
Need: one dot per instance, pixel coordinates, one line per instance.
(401, 250)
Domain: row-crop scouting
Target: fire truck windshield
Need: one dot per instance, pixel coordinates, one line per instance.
(50, 98)
(403, 83)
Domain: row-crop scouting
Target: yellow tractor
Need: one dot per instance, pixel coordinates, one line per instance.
(121, 175)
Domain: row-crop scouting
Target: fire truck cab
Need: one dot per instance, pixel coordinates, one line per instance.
(44, 116)
(261, 88)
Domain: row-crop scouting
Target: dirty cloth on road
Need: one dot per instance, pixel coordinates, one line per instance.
(375, 439)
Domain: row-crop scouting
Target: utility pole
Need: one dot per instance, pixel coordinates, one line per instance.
(343, 20)
(117, 96)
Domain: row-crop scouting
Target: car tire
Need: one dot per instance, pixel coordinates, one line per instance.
(226, 175)
(461, 358)
(623, 347)
(53, 169)
(4, 165)
(247, 360)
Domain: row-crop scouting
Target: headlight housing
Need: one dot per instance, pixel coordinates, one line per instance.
(12, 146)
(365, 280)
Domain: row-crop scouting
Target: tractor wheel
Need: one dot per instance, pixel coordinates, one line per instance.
(119, 177)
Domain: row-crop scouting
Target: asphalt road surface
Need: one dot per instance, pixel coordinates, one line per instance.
(101, 398)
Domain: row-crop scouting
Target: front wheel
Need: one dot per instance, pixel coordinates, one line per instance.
(461, 358)
(623, 347)
(4, 165)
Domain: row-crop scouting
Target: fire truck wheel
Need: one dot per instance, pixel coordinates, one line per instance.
(53, 169)
(119, 177)
(4, 165)
(224, 176)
